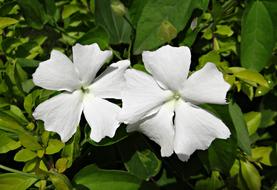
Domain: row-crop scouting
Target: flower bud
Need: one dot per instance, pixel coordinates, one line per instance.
(167, 31)
(118, 7)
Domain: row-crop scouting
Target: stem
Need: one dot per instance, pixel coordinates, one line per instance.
(18, 172)
(115, 53)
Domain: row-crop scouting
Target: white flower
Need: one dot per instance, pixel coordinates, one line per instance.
(83, 92)
(163, 106)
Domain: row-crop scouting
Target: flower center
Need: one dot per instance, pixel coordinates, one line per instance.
(176, 96)
(84, 89)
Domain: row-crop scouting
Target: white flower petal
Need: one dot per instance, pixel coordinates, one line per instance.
(57, 73)
(111, 82)
(169, 65)
(101, 116)
(141, 96)
(159, 128)
(89, 59)
(61, 113)
(195, 129)
(206, 86)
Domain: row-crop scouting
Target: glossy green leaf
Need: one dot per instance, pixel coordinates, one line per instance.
(253, 121)
(257, 38)
(7, 144)
(10, 181)
(24, 155)
(240, 126)
(138, 158)
(251, 175)
(118, 29)
(97, 179)
(265, 155)
(154, 14)
(54, 146)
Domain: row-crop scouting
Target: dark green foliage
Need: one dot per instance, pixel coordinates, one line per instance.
(239, 36)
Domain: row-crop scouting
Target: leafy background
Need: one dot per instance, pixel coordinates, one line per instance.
(239, 36)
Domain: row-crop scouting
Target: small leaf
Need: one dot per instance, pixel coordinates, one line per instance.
(138, 158)
(68, 10)
(7, 144)
(213, 183)
(224, 30)
(24, 155)
(265, 155)
(60, 181)
(61, 164)
(252, 76)
(253, 121)
(54, 146)
(6, 21)
(29, 141)
(251, 175)
(16, 181)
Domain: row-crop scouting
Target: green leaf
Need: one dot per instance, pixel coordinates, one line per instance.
(138, 158)
(54, 146)
(253, 121)
(222, 154)
(118, 29)
(7, 144)
(265, 155)
(98, 179)
(257, 38)
(251, 175)
(240, 126)
(271, 6)
(29, 141)
(6, 21)
(71, 149)
(24, 155)
(252, 76)
(155, 13)
(15, 181)
(224, 30)
(7, 123)
(68, 10)
(119, 136)
(95, 35)
(60, 181)
(213, 183)
(33, 13)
